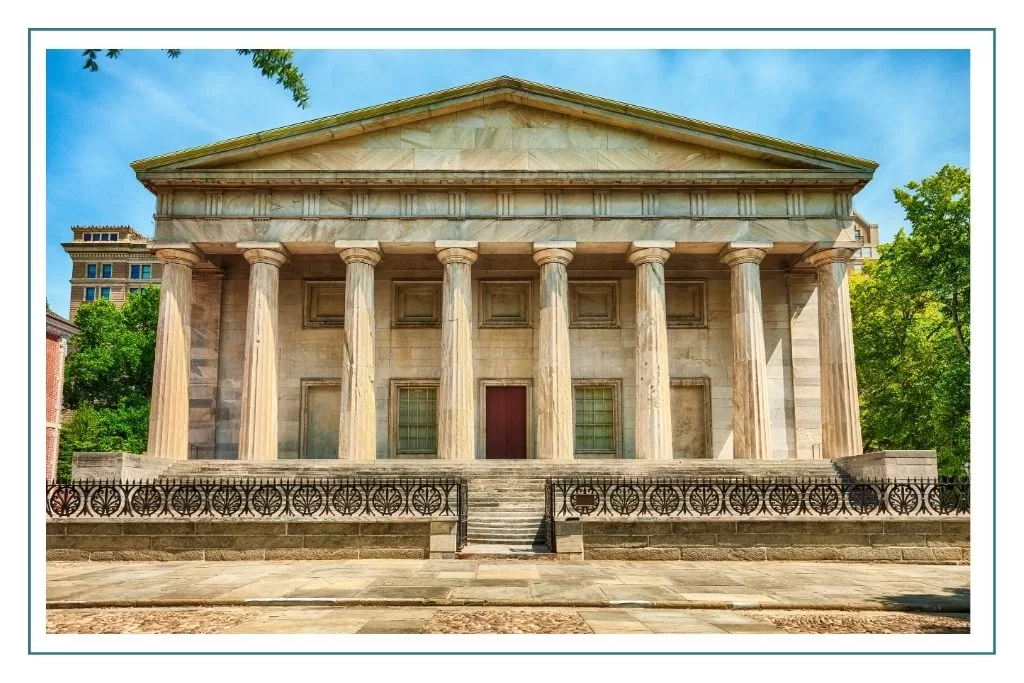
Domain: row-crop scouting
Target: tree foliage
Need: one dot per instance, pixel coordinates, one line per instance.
(108, 377)
(911, 321)
(277, 65)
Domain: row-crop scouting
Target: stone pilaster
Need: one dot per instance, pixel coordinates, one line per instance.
(207, 286)
(653, 409)
(257, 438)
(840, 408)
(455, 434)
(357, 433)
(168, 415)
(554, 378)
(750, 421)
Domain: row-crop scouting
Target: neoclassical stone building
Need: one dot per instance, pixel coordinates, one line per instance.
(504, 270)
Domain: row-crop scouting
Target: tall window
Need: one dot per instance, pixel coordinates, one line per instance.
(108, 270)
(90, 294)
(105, 293)
(595, 418)
(417, 420)
(858, 235)
(90, 270)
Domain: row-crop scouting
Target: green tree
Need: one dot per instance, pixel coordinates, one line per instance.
(911, 323)
(277, 65)
(108, 377)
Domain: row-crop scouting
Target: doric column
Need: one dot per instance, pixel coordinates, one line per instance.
(357, 433)
(750, 423)
(257, 438)
(653, 411)
(840, 408)
(168, 414)
(455, 401)
(554, 378)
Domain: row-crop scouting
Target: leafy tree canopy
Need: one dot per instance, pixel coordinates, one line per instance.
(277, 65)
(108, 377)
(911, 322)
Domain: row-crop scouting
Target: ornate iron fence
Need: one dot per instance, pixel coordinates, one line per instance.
(462, 534)
(258, 498)
(679, 497)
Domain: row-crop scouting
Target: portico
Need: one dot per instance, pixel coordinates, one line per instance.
(505, 270)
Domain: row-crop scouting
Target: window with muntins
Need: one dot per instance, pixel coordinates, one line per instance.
(595, 419)
(90, 270)
(90, 293)
(417, 420)
(108, 270)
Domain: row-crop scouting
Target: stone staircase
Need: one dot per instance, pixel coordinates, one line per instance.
(506, 511)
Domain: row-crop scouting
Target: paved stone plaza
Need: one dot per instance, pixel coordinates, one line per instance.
(595, 584)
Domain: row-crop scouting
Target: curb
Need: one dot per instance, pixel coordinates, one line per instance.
(949, 606)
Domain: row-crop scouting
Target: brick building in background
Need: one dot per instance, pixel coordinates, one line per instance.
(57, 332)
(108, 262)
(867, 234)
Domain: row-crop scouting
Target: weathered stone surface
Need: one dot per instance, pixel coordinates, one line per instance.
(632, 553)
(455, 424)
(357, 433)
(169, 411)
(751, 427)
(840, 409)
(554, 375)
(890, 465)
(257, 438)
(653, 404)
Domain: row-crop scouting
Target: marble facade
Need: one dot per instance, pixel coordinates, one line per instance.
(505, 234)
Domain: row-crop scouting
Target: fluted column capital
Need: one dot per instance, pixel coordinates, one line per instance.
(456, 251)
(826, 257)
(553, 252)
(359, 251)
(175, 253)
(271, 253)
(641, 252)
(737, 253)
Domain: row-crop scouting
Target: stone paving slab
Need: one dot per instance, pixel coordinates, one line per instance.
(694, 585)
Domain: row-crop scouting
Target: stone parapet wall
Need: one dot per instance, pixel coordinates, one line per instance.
(911, 539)
(278, 539)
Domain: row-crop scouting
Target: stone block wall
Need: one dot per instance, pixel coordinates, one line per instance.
(910, 539)
(506, 353)
(233, 539)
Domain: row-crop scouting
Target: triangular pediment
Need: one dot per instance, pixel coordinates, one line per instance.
(504, 125)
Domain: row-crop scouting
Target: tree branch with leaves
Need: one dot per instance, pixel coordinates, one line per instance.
(277, 65)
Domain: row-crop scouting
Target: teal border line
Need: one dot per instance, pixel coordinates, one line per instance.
(28, 516)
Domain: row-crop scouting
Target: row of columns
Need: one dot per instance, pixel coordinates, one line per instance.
(168, 436)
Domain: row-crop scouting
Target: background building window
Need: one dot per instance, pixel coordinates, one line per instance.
(135, 272)
(113, 237)
(87, 237)
(90, 270)
(108, 270)
(147, 272)
(858, 235)
(417, 420)
(105, 293)
(105, 237)
(595, 418)
(90, 294)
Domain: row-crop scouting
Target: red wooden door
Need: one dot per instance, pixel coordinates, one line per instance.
(506, 422)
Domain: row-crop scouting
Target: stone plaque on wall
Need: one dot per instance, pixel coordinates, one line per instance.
(321, 415)
(691, 417)
(324, 303)
(417, 304)
(505, 303)
(594, 303)
(685, 303)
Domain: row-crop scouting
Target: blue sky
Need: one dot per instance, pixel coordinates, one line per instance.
(906, 109)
